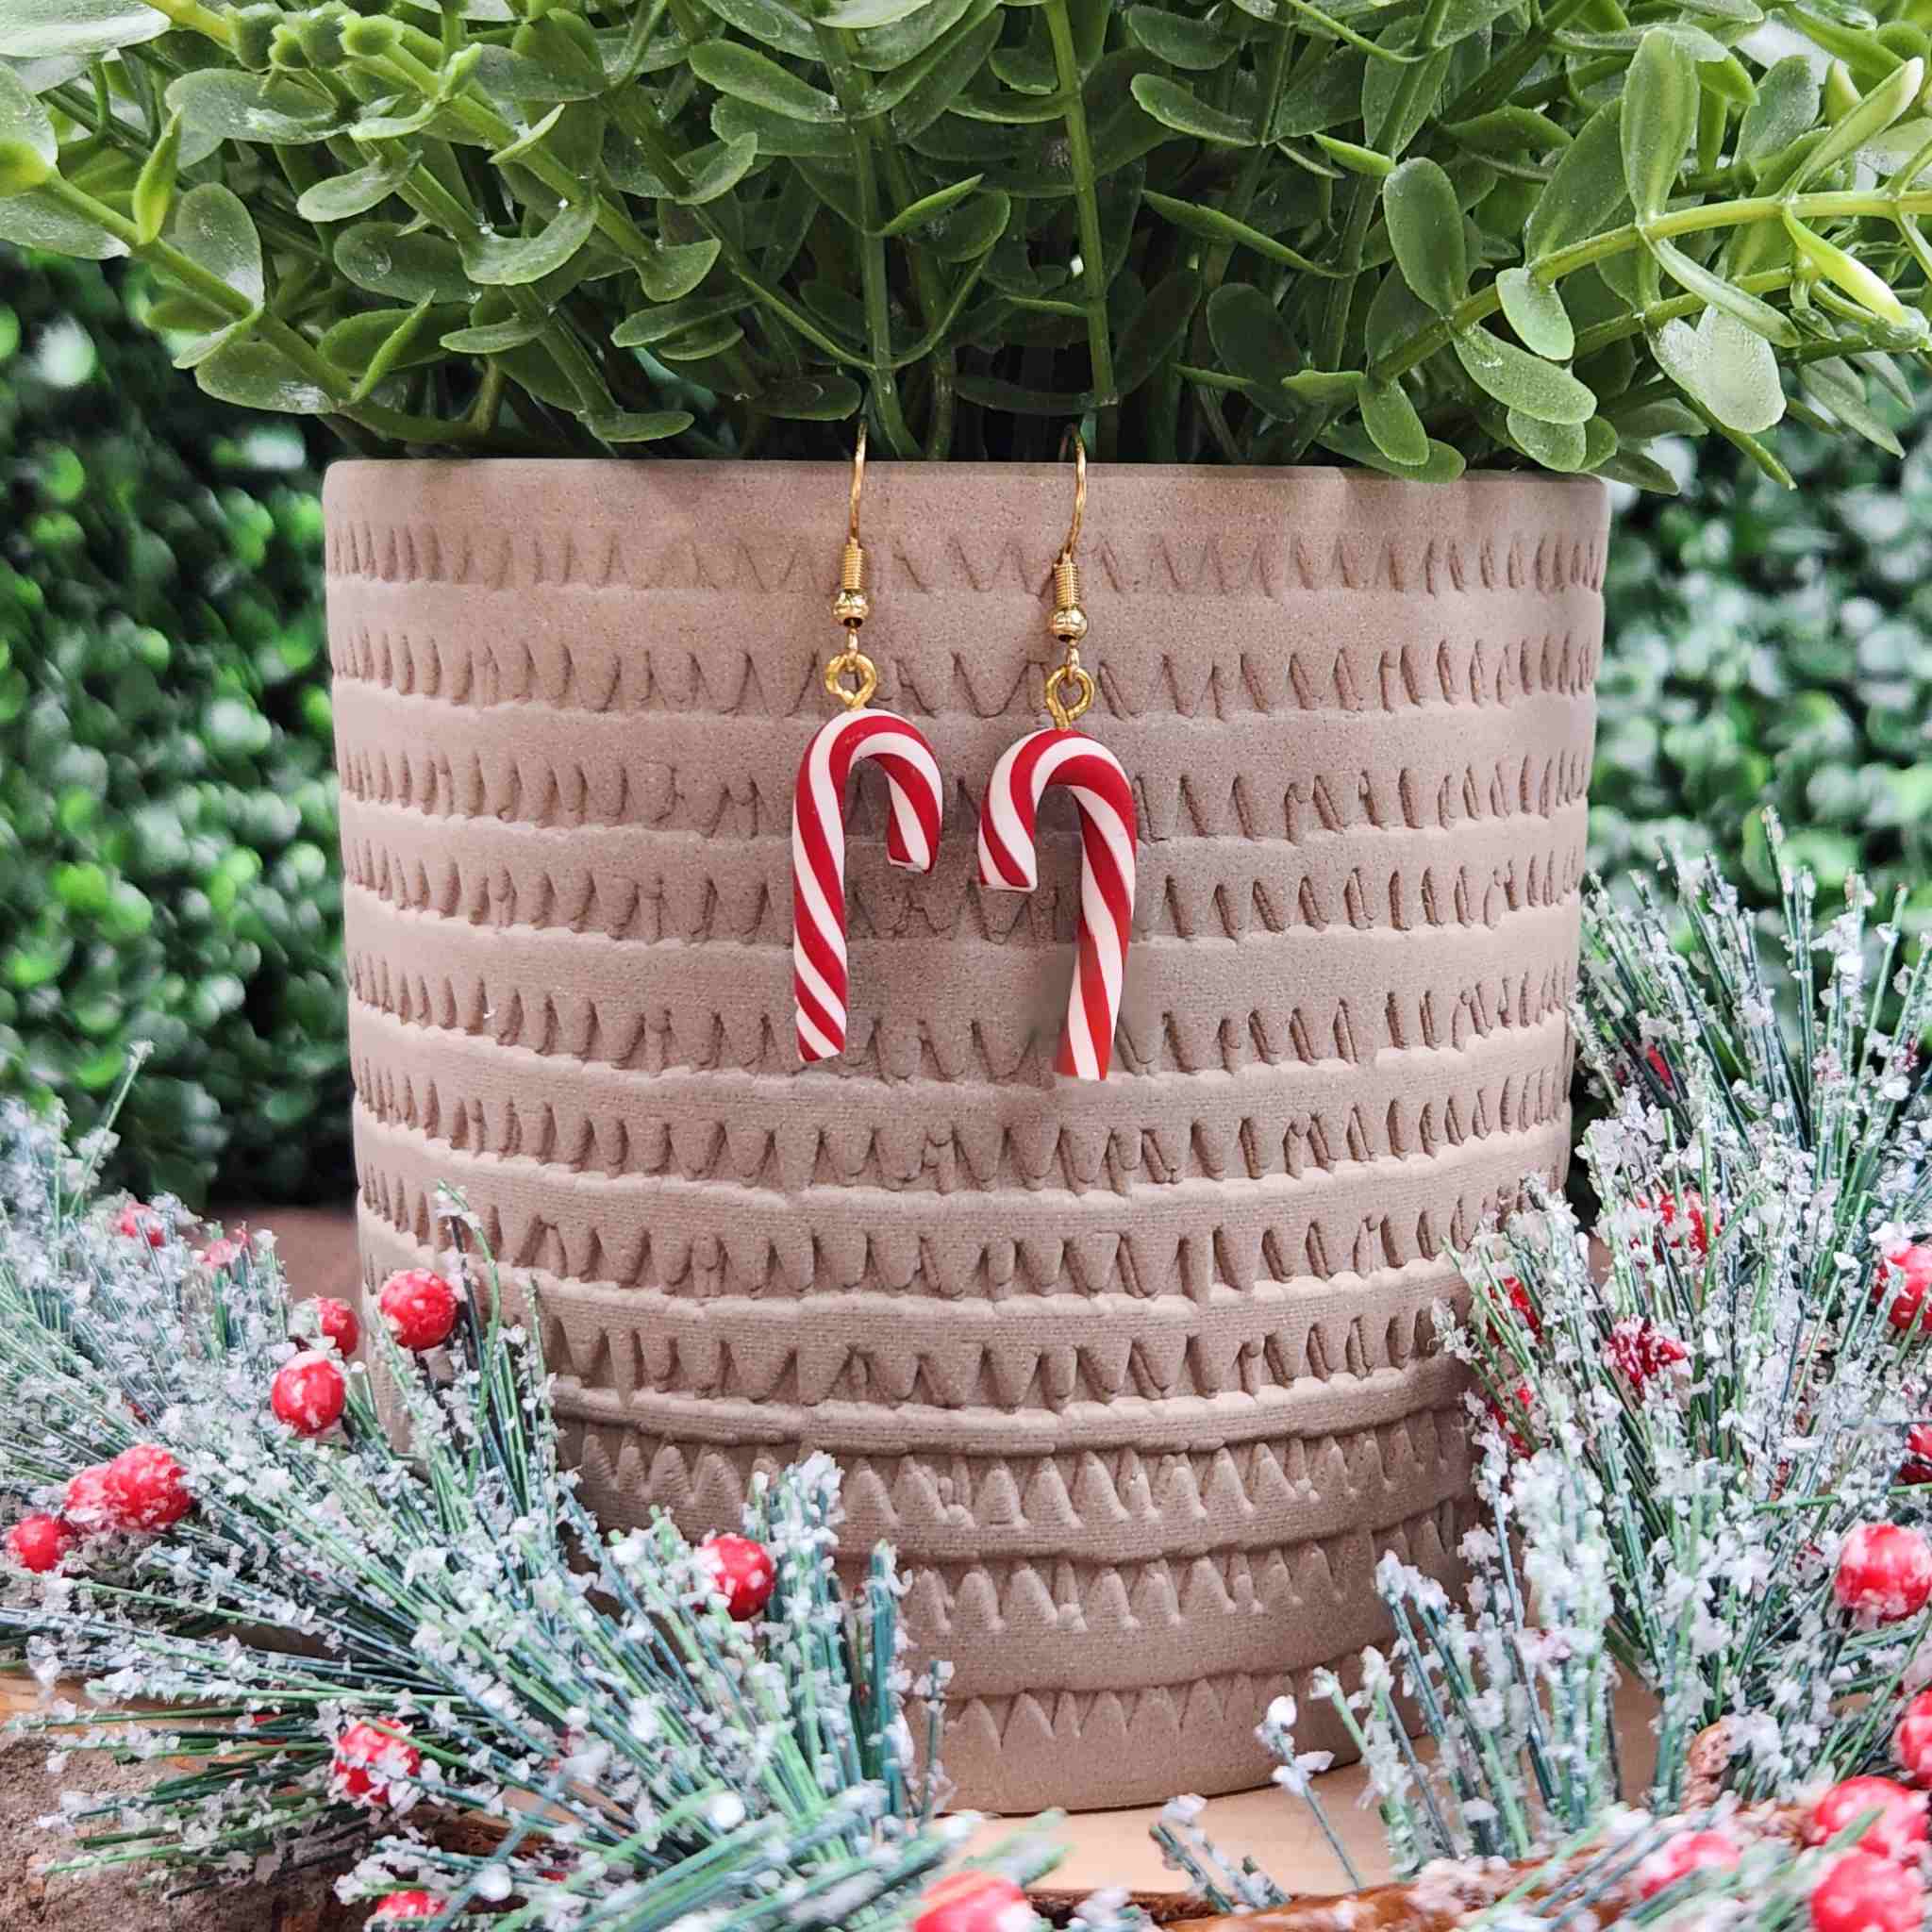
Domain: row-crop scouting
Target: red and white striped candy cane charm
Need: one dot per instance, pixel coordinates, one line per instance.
(1009, 861)
(818, 855)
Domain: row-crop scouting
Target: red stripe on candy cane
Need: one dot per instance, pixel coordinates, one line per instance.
(1009, 861)
(819, 977)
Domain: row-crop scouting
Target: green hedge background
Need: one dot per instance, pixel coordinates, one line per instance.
(167, 795)
(168, 863)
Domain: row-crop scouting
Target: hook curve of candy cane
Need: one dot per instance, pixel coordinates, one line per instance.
(1009, 861)
(818, 977)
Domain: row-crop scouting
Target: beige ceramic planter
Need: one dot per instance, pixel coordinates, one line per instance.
(1132, 1372)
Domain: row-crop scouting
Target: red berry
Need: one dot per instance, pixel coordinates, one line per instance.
(1640, 1352)
(145, 1488)
(1907, 1275)
(975, 1902)
(140, 1222)
(1691, 1850)
(1911, 1742)
(1897, 1832)
(224, 1252)
(420, 1309)
(329, 1319)
(369, 1757)
(1865, 1893)
(86, 1504)
(1511, 1290)
(1661, 1068)
(1512, 1420)
(1916, 1467)
(741, 1572)
(38, 1543)
(1884, 1572)
(397, 1905)
(309, 1392)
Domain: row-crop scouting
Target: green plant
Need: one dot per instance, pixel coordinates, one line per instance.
(1773, 648)
(167, 799)
(1410, 235)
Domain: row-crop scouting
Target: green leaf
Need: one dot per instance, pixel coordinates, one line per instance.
(1250, 339)
(1157, 325)
(153, 190)
(1510, 133)
(650, 325)
(1585, 191)
(1179, 39)
(1518, 380)
(701, 343)
(1358, 160)
(1867, 288)
(1212, 226)
(748, 76)
(675, 268)
(215, 231)
(626, 425)
(1834, 385)
(36, 220)
(227, 105)
(339, 197)
(256, 374)
(1659, 116)
(1535, 311)
(856, 15)
(1391, 419)
(406, 266)
(825, 398)
(25, 124)
(492, 337)
(1770, 323)
(965, 234)
(1345, 439)
(502, 261)
(1890, 98)
(716, 169)
(44, 29)
(928, 207)
(1397, 104)
(1727, 367)
(1560, 446)
(767, 20)
(779, 134)
(1425, 232)
(1180, 109)
(374, 342)
(1641, 470)
(1785, 106)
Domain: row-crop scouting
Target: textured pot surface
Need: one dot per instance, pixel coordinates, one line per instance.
(1133, 1374)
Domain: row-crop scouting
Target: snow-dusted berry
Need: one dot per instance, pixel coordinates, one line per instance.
(1687, 1223)
(1904, 1281)
(85, 1506)
(1691, 1850)
(1512, 1292)
(1514, 1419)
(38, 1543)
(138, 1222)
(1865, 1893)
(308, 1393)
(1884, 1572)
(1898, 1831)
(1911, 1742)
(741, 1572)
(325, 1319)
(975, 1902)
(398, 1907)
(223, 1251)
(145, 1488)
(1916, 1467)
(1643, 1352)
(419, 1308)
(369, 1759)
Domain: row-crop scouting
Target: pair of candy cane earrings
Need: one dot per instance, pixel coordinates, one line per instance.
(1008, 858)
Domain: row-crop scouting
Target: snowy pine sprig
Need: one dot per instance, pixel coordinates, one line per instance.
(356, 1636)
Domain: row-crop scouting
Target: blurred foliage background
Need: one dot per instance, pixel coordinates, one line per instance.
(167, 804)
(167, 794)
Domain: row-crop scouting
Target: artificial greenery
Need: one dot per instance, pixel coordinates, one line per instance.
(1773, 648)
(1412, 235)
(168, 866)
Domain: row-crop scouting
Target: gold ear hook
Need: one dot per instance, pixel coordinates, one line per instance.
(1070, 688)
(851, 607)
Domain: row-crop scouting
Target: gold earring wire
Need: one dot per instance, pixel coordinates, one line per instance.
(1068, 623)
(851, 607)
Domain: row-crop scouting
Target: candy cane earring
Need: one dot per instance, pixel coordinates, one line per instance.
(1009, 859)
(818, 808)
